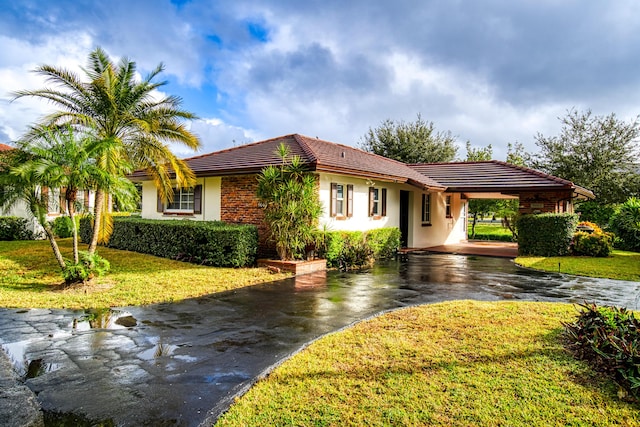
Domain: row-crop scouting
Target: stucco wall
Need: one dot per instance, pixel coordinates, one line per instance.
(210, 201)
(442, 230)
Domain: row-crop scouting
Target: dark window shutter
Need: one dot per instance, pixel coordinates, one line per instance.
(334, 198)
(371, 196)
(86, 200)
(349, 200)
(383, 210)
(63, 200)
(160, 206)
(197, 199)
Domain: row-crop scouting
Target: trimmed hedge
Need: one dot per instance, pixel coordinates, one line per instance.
(348, 250)
(15, 228)
(546, 234)
(212, 243)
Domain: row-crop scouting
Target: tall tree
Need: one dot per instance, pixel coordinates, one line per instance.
(414, 142)
(116, 106)
(597, 152)
(479, 154)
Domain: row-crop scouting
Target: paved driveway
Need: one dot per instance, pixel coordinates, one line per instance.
(182, 363)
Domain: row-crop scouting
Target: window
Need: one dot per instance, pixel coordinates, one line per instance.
(341, 200)
(377, 202)
(448, 206)
(185, 200)
(426, 208)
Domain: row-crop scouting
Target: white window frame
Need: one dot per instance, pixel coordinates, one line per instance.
(183, 201)
(426, 208)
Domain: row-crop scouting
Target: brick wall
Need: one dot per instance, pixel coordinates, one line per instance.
(239, 205)
(546, 201)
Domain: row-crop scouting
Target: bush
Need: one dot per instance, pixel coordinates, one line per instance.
(62, 226)
(608, 338)
(625, 223)
(204, 242)
(596, 243)
(90, 265)
(347, 250)
(15, 228)
(596, 212)
(546, 234)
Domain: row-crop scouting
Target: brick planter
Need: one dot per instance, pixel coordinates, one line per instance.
(295, 267)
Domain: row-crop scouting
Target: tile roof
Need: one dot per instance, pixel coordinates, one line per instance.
(494, 176)
(5, 147)
(318, 155)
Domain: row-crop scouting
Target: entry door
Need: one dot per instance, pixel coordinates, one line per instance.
(404, 218)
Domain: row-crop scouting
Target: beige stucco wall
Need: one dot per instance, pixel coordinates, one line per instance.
(360, 221)
(443, 230)
(210, 201)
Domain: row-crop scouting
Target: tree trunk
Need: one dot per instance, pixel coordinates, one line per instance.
(54, 245)
(74, 230)
(96, 221)
(473, 225)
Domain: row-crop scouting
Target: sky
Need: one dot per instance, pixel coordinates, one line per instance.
(490, 72)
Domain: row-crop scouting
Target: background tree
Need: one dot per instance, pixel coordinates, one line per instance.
(480, 207)
(414, 142)
(596, 152)
(116, 106)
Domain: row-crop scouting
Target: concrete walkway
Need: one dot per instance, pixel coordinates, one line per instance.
(473, 247)
(18, 404)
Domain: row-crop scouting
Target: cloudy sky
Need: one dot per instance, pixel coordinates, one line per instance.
(491, 72)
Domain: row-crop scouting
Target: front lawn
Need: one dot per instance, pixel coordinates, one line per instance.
(457, 363)
(490, 231)
(31, 278)
(621, 265)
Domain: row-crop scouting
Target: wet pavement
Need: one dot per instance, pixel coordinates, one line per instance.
(182, 363)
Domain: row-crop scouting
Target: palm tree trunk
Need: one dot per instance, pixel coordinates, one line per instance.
(96, 221)
(74, 229)
(54, 245)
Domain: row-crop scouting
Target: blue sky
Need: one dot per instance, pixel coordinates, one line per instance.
(491, 72)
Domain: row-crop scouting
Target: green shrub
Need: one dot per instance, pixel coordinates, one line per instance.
(592, 244)
(546, 234)
(90, 265)
(347, 250)
(62, 226)
(203, 242)
(608, 338)
(625, 223)
(15, 228)
(594, 211)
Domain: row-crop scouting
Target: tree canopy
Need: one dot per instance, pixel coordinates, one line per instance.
(596, 152)
(413, 142)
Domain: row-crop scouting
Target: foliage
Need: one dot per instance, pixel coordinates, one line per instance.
(546, 234)
(478, 154)
(620, 265)
(15, 228)
(625, 223)
(130, 116)
(459, 363)
(134, 278)
(595, 211)
(596, 243)
(292, 204)
(414, 142)
(491, 231)
(348, 250)
(62, 226)
(203, 242)
(516, 155)
(596, 152)
(609, 339)
(89, 266)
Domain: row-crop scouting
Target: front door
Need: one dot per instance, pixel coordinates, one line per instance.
(404, 218)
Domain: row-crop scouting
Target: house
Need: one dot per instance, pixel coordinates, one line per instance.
(359, 190)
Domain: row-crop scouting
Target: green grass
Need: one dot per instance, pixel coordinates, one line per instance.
(620, 265)
(31, 278)
(458, 363)
(490, 231)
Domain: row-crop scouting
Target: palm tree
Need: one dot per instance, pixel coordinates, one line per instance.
(128, 113)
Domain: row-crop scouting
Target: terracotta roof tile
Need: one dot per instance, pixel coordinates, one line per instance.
(5, 147)
(494, 176)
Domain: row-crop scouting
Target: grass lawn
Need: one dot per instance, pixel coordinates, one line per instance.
(458, 363)
(490, 231)
(31, 278)
(620, 265)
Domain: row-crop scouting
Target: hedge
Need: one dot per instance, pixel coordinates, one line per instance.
(15, 228)
(212, 243)
(347, 250)
(546, 234)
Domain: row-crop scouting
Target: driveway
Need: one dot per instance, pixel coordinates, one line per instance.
(182, 363)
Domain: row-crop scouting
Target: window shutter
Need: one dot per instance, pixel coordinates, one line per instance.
(44, 192)
(160, 206)
(349, 200)
(197, 199)
(86, 200)
(334, 198)
(62, 200)
(371, 196)
(383, 210)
